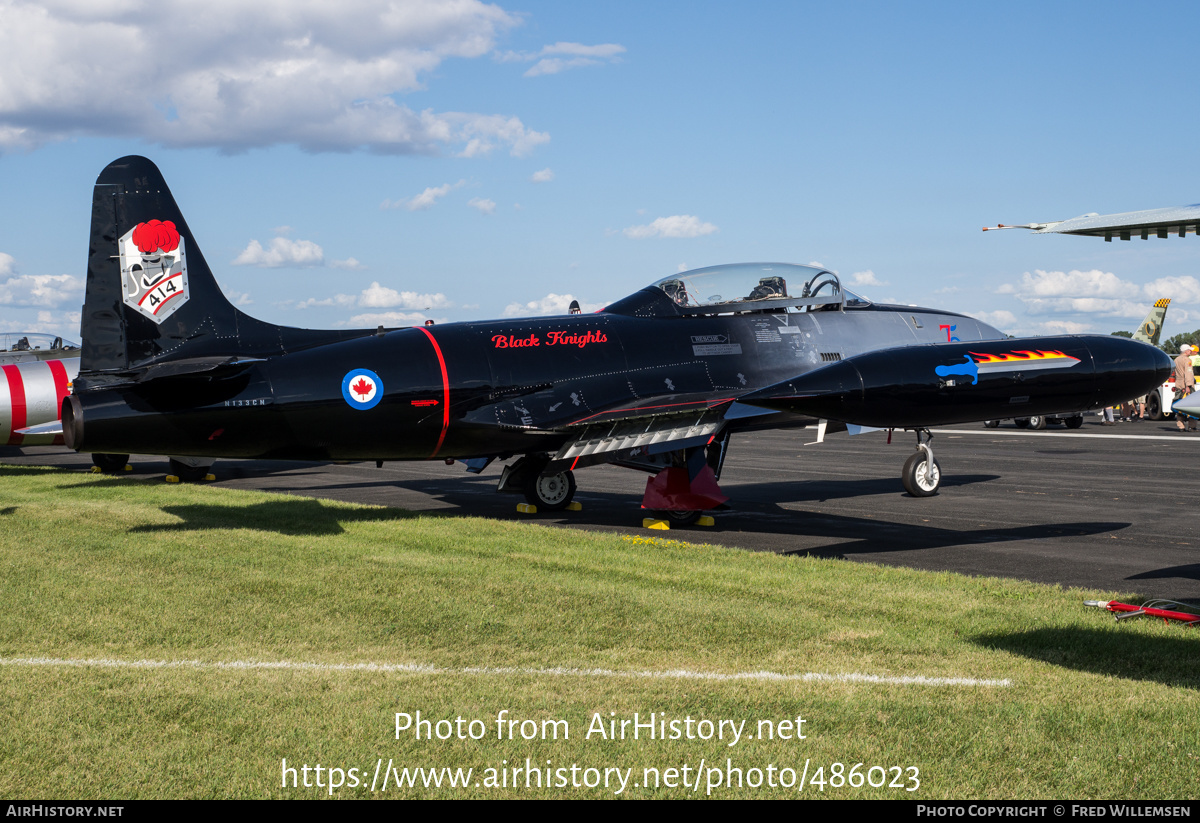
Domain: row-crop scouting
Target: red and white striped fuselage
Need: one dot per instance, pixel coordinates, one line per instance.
(31, 394)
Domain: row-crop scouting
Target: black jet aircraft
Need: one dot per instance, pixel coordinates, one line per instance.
(658, 381)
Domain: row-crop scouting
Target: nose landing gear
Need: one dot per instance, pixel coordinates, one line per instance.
(922, 475)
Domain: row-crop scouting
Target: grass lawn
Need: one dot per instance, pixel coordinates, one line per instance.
(339, 617)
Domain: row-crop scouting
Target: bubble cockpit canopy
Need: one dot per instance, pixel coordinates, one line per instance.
(744, 287)
(33, 341)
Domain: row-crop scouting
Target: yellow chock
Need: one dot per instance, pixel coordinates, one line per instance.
(172, 478)
(706, 520)
(95, 470)
(128, 467)
(526, 508)
(574, 507)
(208, 478)
(654, 523)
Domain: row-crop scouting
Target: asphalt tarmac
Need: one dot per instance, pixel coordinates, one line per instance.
(1105, 508)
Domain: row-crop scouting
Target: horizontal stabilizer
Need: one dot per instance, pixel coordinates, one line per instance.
(197, 367)
(51, 428)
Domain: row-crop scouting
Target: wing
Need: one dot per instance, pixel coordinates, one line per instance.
(1179, 220)
(649, 426)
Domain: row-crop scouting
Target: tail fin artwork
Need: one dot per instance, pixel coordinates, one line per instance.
(152, 305)
(1151, 329)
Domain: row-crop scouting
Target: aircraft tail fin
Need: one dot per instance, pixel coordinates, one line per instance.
(151, 297)
(1151, 329)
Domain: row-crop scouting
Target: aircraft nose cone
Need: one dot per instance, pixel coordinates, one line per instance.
(1127, 367)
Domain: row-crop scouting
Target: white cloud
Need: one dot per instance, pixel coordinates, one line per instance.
(388, 318)
(1056, 327)
(562, 56)
(345, 300)
(543, 176)
(1092, 292)
(550, 304)
(679, 225)
(1094, 283)
(376, 296)
(484, 205)
(381, 297)
(1001, 319)
(1182, 289)
(349, 263)
(232, 75)
(282, 253)
(424, 200)
(46, 290)
(866, 278)
(7, 264)
(64, 324)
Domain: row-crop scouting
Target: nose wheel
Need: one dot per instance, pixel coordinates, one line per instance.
(922, 475)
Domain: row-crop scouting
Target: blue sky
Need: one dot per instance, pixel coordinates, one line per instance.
(387, 161)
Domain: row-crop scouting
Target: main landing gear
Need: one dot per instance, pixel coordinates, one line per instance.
(922, 475)
(110, 463)
(549, 492)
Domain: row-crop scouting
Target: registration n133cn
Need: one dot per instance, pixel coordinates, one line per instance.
(659, 381)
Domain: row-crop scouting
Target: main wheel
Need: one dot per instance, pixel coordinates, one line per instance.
(919, 479)
(1154, 406)
(991, 424)
(110, 463)
(551, 492)
(1074, 422)
(188, 474)
(1037, 422)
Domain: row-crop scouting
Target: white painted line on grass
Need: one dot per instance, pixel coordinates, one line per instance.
(418, 668)
(1175, 438)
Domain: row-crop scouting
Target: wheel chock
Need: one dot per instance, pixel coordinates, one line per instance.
(574, 507)
(128, 467)
(208, 478)
(95, 470)
(526, 508)
(170, 478)
(706, 520)
(655, 523)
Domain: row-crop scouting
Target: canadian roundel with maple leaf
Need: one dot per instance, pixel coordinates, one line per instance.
(362, 389)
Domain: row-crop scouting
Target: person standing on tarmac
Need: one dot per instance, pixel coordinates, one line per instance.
(1185, 384)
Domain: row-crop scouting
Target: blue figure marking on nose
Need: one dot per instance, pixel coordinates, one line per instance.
(967, 369)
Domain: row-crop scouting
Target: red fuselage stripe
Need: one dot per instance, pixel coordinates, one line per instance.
(16, 392)
(61, 384)
(445, 391)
